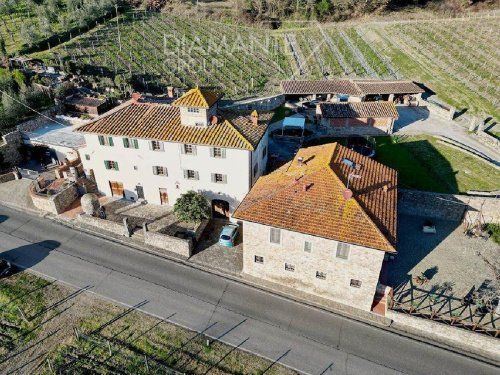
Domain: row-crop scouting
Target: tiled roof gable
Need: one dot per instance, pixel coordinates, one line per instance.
(309, 198)
(197, 97)
(162, 122)
(359, 110)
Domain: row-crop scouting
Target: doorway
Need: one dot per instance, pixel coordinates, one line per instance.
(116, 189)
(220, 209)
(163, 196)
(140, 192)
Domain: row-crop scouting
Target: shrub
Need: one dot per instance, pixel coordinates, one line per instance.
(494, 231)
(192, 207)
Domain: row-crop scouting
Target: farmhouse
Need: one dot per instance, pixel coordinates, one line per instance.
(348, 90)
(303, 229)
(365, 118)
(88, 105)
(156, 152)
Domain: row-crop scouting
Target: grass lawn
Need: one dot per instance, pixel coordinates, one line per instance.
(425, 164)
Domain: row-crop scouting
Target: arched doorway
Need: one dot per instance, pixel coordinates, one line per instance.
(220, 209)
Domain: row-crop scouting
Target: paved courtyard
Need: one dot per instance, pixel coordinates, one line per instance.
(453, 265)
(209, 253)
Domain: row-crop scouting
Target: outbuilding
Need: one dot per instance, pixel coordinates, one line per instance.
(364, 118)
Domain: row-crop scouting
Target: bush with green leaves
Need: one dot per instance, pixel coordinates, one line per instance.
(192, 207)
(494, 231)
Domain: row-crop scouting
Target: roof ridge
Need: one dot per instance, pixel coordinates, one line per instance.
(241, 136)
(372, 223)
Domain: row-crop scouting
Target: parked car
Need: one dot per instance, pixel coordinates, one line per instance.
(228, 235)
(6, 268)
(363, 145)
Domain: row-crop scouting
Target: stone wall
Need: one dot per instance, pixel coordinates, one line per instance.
(471, 342)
(37, 122)
(10, 148)
(7, 177)
(107, 225)
(183, 247)
(448, 206)
(56, 203)
(260, 104)
(362, 264)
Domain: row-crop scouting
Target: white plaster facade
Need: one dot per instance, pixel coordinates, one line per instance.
(135, 168)
(362, 265)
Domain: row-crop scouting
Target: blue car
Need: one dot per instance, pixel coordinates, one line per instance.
(228, 235)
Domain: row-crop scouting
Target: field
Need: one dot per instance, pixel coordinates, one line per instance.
(425, 164)
(456, 58)
(47, 328)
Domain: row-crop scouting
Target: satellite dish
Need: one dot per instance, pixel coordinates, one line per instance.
(347, 194)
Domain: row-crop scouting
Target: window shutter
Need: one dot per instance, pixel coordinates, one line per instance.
(111, 141)
(212, 152)
(183, 149)
(224, 179)
(116, 165)
(161, 145)
(101, 140)
(165, 171)
(150, 145)
(213, 177)
(223, 151)
(126, 143)
(194, 149)
(185, 173)
(155, 171)
(106, 164)
(196, 175)
(136, 143)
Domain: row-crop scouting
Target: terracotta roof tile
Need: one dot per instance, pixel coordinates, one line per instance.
(197, 97)
(162, 122)
(309, 198)
(388, 87)
(359, 110)
(343, 86)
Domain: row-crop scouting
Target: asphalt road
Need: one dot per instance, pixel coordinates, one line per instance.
(305, 338)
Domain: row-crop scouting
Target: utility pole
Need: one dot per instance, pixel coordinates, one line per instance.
(118, 27)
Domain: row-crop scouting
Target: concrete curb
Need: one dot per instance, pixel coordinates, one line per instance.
(409, 332)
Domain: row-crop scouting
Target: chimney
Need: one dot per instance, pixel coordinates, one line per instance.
(214, 120)
(170, 91)
(255, 117)
(136, 97)
(300, 161)
(306, 187)
(386, 188)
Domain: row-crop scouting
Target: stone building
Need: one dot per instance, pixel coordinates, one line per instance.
(304, 229)
(363, 118)
(156, 151)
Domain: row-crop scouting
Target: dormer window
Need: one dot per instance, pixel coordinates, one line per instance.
(193, 110)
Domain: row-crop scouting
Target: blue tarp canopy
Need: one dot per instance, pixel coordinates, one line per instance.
(296, 121)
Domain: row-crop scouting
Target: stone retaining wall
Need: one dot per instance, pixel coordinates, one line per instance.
(107, 225)
(57, 203)
(448, 206)
(10, 148)
(471, 342)
(7, 177)
(183, 247)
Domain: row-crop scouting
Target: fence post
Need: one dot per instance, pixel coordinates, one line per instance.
(146, 362)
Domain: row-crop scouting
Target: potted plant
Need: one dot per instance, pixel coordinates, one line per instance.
(421, 279)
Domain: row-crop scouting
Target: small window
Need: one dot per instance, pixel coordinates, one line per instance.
(259, 259)
(264, 152)
(105, 141)
(136, 168)
(343, 250)
(275, 235)
(87, 157)
(109, 164)
(289, 267)
(131, 143)
(199, 124)
(193, 110)
(219, 178)
(189, 149)
(355, 283)
(190, 174)
(320, 275)
(255, 169)
(159, 171)
(156, 145)
(308, 246)
(218, 152)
